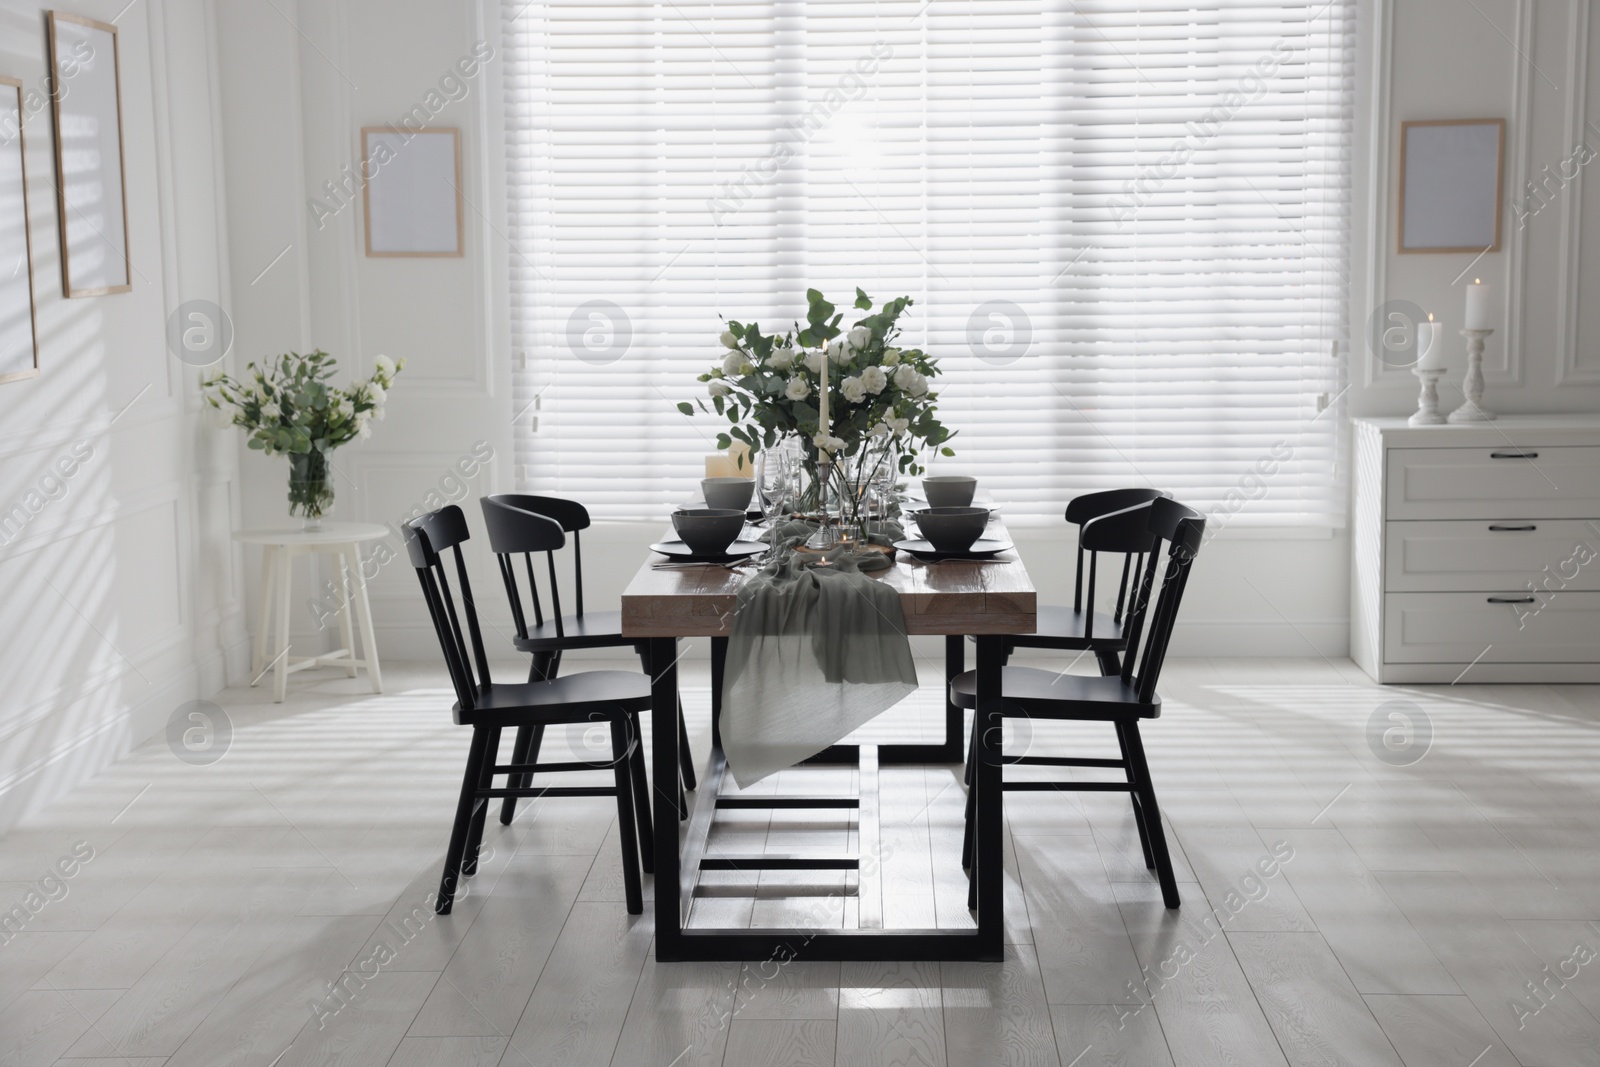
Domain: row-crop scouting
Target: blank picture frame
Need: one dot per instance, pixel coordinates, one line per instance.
(91, 196)
(412, 196)
(1452, 175)
(19, 339)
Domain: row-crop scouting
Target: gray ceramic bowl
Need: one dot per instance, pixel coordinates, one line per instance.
(951, 529)
(708, 531)
(728, 493)
(949, 490)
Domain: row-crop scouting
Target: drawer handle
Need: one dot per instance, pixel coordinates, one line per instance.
(1513, 600)
(1513, 529)
(1513, 455)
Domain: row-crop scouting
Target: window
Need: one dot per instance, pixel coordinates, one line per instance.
(1124, 225)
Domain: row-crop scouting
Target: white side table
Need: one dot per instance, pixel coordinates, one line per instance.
(278, 549)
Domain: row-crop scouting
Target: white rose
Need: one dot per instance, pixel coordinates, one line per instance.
(860, 337)
(364, 431)
(918, 387)
(878, 430)
(718, 387)
(891, 357)
(376, 393)
(343, 408)
(385, 366)
(904, 375)
(899, 426)
(827, 444)
(734, 364)
(814, 362)
(728, 339)
(270, 411)
(874, 380)
(837, 351)
(797, 389)
(782, 358)
(853, 390)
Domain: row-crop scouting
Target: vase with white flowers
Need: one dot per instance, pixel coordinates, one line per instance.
(861, 406)
(290, 407)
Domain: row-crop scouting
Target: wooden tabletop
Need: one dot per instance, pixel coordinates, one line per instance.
(955, 597)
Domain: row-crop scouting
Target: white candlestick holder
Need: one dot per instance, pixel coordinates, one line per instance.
(1473, 410)
(1427, 413)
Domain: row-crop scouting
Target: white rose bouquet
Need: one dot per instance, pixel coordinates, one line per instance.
(882, 409)
(291, 408)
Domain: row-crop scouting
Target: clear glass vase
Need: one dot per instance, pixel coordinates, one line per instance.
(310, 489)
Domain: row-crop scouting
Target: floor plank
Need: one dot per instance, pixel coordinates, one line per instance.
(890, 1016)
(1439, 1031)
(995, 1013)
(1317, 1014)
(579, 1006)
(781, 1043)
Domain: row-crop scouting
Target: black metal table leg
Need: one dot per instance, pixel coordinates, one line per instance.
(989, 858)
(663, 654)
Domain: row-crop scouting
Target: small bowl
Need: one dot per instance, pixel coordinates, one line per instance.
(708, 531)
(952, 529)
(728, 494)
(949, 490)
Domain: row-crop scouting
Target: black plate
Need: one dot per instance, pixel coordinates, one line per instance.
(982, 548)
(680, 552)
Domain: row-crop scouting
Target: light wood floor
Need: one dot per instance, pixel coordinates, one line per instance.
(1415, 907)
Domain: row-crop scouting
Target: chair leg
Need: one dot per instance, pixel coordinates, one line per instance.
(462, 825)
(1152, 816)
(641, 798)
(480, 811)
(519, 754)
(627, 832)
(1133, 795)
(685, 754)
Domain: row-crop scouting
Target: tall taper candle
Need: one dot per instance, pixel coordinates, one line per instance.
(822, 410)
(1478, 306)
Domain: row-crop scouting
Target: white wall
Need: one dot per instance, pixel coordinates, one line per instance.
(295, 97)
(1532, 63)
(295, 102)
(121, 598)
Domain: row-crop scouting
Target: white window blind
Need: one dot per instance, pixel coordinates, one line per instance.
(1124, 224)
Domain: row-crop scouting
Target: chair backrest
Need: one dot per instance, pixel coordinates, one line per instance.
(523, 524)
(428, 538)
(1086, 509)
(1182, 529)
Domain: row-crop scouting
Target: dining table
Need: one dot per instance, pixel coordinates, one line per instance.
(666, 603)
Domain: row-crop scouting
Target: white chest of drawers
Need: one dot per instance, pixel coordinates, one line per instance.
(1477, 550)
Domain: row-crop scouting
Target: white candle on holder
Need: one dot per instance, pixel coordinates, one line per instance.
(822, 409)
(1430, 353)
(1478, 306)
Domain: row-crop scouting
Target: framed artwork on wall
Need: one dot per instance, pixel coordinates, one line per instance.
(411, 202)
(91, 195)
(19, 342)
(1451, 177)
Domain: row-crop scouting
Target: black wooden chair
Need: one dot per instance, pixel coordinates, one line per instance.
(613, 697)
(1121, 699)
(1075, 629)
(521, 525)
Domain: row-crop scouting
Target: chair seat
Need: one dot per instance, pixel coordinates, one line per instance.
(1061, 627)
(1050, 695)
(567, 699)
(592, 629)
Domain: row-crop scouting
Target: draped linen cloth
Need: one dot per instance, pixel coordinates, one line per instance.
(814, 653)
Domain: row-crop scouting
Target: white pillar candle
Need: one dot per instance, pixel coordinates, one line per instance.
(720, 465)
(1430, 353)
(1478, 306)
